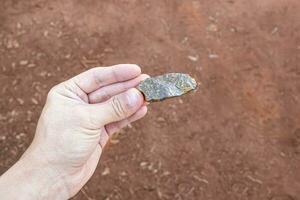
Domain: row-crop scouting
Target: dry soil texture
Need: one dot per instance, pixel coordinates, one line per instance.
(237, 137)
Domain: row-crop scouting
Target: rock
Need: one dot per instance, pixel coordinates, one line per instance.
(143, 164)
(29, 116)
(212, 28)
(20, 136)
(275, 30)
(46, 33)
(193, 58)
(12, 43)
(31, 65)
(19, 25)
(161, 119)
(2, 138)
(213, 56)
(106, 171)
(23, 62)
(165, 86)
(108, 50)
(123, 173)
(68, 56)
(20, 101)
(114, 141)
(34, 101)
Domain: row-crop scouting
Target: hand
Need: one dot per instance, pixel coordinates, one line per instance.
(79, 117)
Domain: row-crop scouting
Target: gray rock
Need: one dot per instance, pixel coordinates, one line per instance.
(165, 86)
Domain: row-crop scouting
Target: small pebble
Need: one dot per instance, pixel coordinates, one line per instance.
(193, 58)
(31, 65)
(46, 33)
(11, 43)
(19, 25)
(106, 171)
(212, 28)
(213, 56)
(23, 62)
(34, 101)
(68, 56)
(20, 101)
(143, 164)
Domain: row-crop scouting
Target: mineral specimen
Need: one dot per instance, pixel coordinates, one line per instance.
(165, 86)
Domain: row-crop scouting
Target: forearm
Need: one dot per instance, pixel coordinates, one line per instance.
(31, 180)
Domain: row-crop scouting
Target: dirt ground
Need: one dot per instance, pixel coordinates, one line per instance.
(236, 137)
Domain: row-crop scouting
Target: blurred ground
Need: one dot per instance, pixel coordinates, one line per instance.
(237, 137)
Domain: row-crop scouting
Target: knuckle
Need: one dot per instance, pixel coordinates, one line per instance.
(99, 96)
(114, 74)
(52, 92)
(105, 95)
(119, 107)
(95, 76)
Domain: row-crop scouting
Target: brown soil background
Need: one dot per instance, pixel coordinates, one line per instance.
(237, 137)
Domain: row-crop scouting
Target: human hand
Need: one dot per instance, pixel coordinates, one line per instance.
(79, 116)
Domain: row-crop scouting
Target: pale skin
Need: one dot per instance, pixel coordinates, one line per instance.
(79, 116)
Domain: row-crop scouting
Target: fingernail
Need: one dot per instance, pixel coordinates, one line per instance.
(133, 97)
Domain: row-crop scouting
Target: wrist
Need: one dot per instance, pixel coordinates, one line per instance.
(45, 179)
(34, 179)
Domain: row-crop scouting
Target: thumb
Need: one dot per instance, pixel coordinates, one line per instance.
(119, 107)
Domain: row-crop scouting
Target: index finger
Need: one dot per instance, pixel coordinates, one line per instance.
(98, 77)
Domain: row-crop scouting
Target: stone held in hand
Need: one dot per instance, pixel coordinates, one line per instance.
(166, 86)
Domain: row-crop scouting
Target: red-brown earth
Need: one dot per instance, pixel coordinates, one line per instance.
(236, 137)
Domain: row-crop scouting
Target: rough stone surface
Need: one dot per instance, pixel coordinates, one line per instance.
(165, 86)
